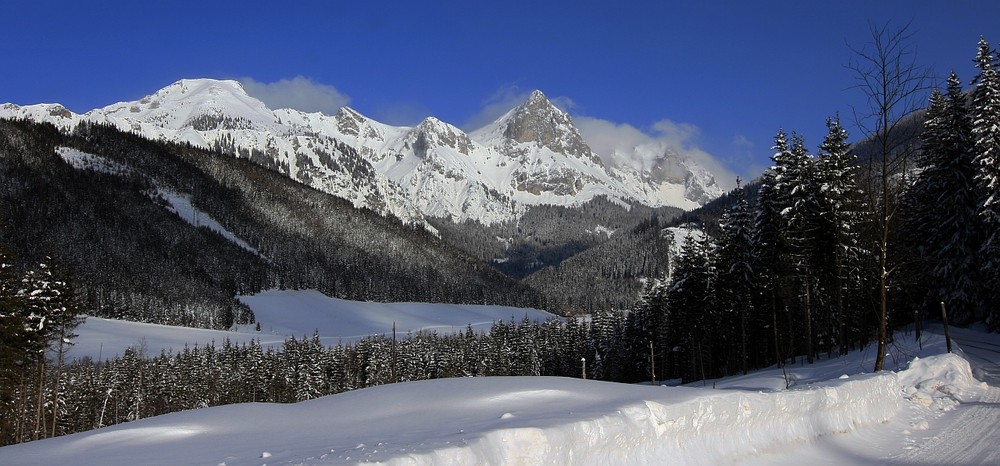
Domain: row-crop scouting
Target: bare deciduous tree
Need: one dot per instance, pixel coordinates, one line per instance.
(894, 86)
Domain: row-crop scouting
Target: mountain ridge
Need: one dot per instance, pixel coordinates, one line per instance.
(532, 155)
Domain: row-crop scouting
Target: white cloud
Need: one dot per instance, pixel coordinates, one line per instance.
(495, 106)
(299, 93)
(621, 143)
(740, 140)
(503, 100)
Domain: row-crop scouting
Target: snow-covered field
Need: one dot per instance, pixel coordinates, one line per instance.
(928, 410)
(286, 313)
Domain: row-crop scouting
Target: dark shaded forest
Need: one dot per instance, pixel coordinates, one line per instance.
(131, 257)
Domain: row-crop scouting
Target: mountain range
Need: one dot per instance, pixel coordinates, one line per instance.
(532, 155)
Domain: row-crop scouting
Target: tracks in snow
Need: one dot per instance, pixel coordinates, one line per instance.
(971, 436)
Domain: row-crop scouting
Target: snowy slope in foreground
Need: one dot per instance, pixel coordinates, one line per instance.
(827, 416)
(298, 313)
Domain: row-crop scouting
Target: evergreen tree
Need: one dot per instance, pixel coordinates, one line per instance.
(798, 186)
(841, 220)
(13, 339)
(736, 280)
(644, 334)
(986, 138)
(950, 235)
(693, 312)
(771, 253)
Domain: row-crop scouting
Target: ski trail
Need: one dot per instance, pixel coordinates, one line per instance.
(969, 439)
(971, 435)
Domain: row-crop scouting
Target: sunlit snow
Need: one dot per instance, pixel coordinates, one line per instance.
(287, 313)
(833, 413)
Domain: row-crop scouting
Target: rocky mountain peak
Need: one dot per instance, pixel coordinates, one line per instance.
(538, 121)
(434, 131)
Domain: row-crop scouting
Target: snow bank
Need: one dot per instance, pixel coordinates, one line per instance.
(489, 420)
(722, 427)
(941, 382)
(552, 420)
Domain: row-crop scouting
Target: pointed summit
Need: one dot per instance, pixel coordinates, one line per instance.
(538, 121)
(432, 131)
(536, 96)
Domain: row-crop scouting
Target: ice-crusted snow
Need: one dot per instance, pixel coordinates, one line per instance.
(833, 414)
(433, 169)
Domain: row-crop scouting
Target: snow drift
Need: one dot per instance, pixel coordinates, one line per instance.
(499, 420)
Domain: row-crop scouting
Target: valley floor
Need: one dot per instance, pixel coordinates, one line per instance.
(930, 408)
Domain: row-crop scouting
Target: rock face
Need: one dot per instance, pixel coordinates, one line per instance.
(532, 155)
(538, 121)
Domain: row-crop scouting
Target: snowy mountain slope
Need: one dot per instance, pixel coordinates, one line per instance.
(532, 155)
(831, 415)
(220, 115)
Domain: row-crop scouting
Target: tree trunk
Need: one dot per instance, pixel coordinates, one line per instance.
(39, 413)
(808, 311)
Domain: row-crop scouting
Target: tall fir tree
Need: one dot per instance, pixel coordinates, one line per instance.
(693, 312)
(950, 235)
(736, 282)
(771, 260)
(986, 138)
(841, 219)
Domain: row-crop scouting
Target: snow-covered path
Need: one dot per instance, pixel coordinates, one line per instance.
(968, 435)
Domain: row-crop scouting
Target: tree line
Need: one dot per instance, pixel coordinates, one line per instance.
(837, 251)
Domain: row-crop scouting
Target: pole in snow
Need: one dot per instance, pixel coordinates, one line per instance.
(944, 318)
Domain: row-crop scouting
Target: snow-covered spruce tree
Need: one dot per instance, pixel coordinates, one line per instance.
(693, 316)
(942, 207)
(840, 219)
(50, 315)
(771, 255)
(644, 326)
(986, 139)
(797, 185)
(607, 330)
(735, 283)
(13, 339)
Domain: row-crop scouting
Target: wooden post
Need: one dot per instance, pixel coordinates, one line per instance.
(583, 368)
(944, 318)
(652, 362)
(392, 355)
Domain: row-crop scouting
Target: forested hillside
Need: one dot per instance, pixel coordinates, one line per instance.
(111, 227)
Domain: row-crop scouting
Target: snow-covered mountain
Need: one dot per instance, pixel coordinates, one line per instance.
(530, 156)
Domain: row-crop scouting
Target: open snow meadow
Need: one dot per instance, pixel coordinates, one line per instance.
(930, 408)
(286, 313)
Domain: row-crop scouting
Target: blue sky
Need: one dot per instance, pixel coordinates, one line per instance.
(713, 78)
